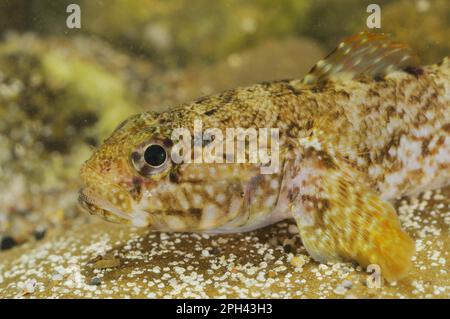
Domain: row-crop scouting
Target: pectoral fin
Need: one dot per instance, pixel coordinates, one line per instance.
(340, 218)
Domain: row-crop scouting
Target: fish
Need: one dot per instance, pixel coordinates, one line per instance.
(366, 125)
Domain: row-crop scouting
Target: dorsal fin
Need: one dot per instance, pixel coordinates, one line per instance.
(369, 54)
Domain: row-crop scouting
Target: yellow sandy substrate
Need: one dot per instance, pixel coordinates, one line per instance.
(102, 260)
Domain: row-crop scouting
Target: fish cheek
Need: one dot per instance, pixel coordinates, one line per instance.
(136, 188)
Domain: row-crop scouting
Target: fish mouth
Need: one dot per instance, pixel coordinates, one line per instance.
(96, 205)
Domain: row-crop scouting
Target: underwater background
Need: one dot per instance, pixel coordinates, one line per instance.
(62, 91)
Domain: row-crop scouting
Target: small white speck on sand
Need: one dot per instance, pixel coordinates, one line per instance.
(340, 290)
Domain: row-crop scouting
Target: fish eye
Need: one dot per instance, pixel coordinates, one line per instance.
(150, 158)
(155, 155)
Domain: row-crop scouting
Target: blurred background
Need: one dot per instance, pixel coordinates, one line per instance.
(62, 91)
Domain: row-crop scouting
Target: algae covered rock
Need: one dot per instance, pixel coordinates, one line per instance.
(181, 32)
(56, 102)
(176, 32)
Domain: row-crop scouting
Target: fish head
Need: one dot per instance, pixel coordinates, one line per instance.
(133, 179)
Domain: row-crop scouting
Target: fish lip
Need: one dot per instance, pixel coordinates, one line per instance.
(99, 207)
(83, 199)
(85, 202)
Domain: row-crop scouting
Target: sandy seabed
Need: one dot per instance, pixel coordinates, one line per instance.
(100, 260)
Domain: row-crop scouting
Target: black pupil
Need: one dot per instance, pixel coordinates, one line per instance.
(155, 155)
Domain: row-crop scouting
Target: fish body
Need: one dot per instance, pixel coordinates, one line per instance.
(365, 126)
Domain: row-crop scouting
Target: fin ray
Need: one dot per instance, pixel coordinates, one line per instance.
(369, 54)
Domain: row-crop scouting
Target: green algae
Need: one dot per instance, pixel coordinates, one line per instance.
(53, 103)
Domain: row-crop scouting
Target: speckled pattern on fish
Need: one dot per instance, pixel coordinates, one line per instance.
(366, 125)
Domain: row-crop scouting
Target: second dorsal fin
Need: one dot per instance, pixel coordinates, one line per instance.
(368, 54)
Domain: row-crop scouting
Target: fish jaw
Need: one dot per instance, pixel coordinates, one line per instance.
(95, 206)
(114, 205)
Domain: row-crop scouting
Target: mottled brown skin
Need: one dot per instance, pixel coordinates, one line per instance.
(347, 146)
